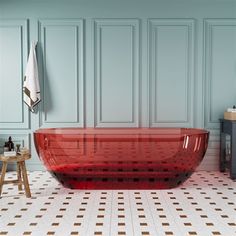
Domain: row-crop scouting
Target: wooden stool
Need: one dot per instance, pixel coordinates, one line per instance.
(22, 178)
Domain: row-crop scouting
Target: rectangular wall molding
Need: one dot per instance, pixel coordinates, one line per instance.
(219, 69)
(117, 85)
(13, 56)
(171, 71)
(61, 44)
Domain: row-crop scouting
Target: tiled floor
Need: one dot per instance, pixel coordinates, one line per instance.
(205, 205)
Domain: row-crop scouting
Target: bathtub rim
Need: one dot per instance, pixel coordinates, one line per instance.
(119, 130)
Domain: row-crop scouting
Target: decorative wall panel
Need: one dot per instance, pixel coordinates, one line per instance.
(13, 56)
(62, 55)
(220, 73)
(171, 71)
(116, 72)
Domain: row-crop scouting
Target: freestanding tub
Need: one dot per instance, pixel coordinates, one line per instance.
(121, 158)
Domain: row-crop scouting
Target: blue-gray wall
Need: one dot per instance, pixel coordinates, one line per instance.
(124, 63)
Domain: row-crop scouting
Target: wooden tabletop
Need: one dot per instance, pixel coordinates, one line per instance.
(19, 157)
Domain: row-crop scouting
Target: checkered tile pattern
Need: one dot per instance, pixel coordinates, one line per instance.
(204, 205)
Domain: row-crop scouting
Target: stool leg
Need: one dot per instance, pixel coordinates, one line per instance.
(19, 178)
(25, 179)
(4, 168)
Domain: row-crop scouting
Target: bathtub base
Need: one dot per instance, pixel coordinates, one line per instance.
(98, 177)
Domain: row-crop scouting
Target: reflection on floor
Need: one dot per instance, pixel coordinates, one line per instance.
(204, 205)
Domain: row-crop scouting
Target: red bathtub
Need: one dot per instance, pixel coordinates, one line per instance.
(121, 158)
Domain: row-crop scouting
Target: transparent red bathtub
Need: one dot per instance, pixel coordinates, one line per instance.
(121, 158)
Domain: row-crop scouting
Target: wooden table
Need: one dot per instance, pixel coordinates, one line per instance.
(22, 178)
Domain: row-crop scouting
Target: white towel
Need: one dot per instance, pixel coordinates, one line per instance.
(31, 81)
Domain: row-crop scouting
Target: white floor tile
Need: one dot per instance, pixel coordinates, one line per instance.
(204, 205)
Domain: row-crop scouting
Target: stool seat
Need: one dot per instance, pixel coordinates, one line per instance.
(22, 178)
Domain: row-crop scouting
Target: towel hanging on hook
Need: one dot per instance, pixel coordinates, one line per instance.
(31, 87)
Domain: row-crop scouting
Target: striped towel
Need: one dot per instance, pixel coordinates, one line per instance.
(31, 82)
